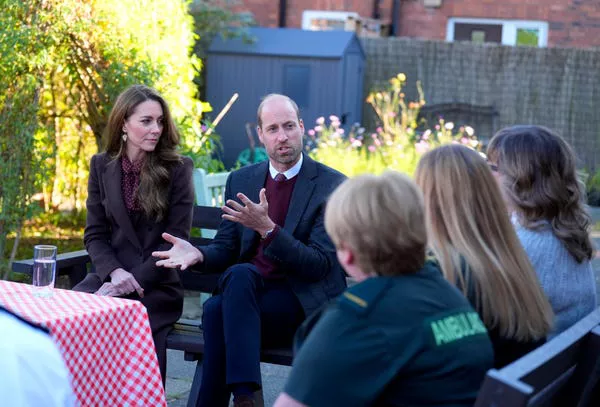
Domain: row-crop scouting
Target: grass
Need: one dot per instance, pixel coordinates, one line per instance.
(63, 230)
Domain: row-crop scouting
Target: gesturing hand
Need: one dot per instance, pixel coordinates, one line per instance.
(123, 283)
(183, 254)
(252, 215)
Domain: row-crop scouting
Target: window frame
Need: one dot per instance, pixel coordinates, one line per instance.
(342, 16)
(509, 28)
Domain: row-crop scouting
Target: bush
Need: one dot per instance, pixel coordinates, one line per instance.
(396, 144)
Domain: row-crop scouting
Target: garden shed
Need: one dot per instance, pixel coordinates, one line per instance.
(321, 70)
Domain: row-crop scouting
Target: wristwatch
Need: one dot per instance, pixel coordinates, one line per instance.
(267, 233)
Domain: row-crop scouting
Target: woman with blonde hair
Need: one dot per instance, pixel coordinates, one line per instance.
(472, 238)
(536, 170)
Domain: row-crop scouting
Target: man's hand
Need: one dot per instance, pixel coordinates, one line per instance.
(122, 283)
(183, 254)
(252, 215)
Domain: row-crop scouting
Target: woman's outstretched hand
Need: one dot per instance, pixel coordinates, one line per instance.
(183, 254)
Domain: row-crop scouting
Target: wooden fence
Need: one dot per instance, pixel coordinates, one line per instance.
(554, 87)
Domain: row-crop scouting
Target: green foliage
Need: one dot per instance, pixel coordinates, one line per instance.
(397, 144)
(592, 186)
(63, 64)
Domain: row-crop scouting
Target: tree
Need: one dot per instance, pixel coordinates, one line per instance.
(63, 64)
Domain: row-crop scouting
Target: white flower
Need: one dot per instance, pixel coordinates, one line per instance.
(469, 130)
(449, 126)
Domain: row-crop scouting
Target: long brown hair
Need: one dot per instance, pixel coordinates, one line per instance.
(541, 185)
(468, 224)
(153, 190)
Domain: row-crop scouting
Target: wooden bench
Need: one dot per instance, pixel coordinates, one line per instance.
(558, 373)
(186, 335)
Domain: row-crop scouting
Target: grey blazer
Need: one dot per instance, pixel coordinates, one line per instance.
(302, 249)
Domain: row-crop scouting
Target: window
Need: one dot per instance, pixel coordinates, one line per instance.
(507, 32)
(317, 20)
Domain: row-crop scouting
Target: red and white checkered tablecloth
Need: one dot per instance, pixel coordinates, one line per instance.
(106, 343)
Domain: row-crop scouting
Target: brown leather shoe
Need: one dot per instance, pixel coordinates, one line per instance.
(243, 401)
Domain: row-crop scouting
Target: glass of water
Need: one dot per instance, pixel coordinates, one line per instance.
(44, 269)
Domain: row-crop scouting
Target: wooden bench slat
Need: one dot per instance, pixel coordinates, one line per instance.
(63, 261)
(191, 341)
(556, 371)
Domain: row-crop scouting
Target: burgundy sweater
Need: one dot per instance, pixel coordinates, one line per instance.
(278, 196)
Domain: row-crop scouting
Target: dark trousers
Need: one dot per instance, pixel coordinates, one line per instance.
(249, 312)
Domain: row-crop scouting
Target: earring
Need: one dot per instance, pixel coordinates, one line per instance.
(124, 137)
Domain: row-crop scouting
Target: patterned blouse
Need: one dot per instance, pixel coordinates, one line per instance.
(130, 181)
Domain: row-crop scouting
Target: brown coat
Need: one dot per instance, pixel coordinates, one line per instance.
(113, 239)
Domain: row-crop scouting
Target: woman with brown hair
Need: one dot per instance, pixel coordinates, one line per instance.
(536, 171)
(139, 188)
(472, 238)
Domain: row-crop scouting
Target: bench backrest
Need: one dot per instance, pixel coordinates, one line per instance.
(205, 218)
(555, 374)
(209, 188)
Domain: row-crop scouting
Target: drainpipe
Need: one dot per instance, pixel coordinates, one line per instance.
(282, 10)
(395, 26)
(376, 11)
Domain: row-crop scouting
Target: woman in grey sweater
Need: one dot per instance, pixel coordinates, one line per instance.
(536, 170)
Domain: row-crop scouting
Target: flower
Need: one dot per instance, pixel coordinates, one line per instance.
(311, 132)
(334, 118)
(319, 128)
(320, 120)
(422, 147)
(356, 143)
(379, 129)
(469, 130)
(340, 131)
(426, 134)
(372, 148)
(449, 126)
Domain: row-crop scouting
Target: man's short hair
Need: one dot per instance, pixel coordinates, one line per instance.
(381, 219)
(271, 96)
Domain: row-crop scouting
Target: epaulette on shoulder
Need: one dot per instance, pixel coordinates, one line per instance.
(26, 321)
(361, 298)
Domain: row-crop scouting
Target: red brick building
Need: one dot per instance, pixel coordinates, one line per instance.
(566, 23)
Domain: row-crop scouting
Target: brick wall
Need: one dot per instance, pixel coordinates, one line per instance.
(573, 23)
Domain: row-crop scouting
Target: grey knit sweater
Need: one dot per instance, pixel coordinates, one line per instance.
(570, 286)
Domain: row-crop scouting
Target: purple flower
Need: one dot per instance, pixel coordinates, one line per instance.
(422, 147)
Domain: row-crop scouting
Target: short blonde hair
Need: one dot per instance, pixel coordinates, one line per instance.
(381, 219)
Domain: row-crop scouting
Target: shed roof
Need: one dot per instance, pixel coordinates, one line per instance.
(288, 42)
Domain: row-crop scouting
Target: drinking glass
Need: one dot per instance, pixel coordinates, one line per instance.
(44, 269)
